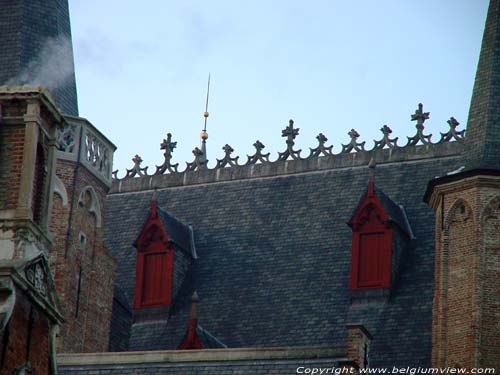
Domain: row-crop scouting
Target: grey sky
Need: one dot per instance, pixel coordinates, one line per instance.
(330, 65)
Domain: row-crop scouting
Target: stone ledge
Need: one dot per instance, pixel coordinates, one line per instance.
(204, 355)
(288, 167)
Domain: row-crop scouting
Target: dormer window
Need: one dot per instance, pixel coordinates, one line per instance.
(380, 230)
(163, 239)
(371, 248)
(155, 264)
(155, 260)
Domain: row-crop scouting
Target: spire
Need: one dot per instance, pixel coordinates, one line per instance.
(191, 339)
(204, 134)
(483, 129)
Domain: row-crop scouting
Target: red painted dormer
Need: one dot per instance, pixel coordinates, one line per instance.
(371, 243)
(155, 263)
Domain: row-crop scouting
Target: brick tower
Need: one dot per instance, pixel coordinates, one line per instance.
(84, 270)
(35, 36)
(55, 172)
(467, 205)
(29, 309)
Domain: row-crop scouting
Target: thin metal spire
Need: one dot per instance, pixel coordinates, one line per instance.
(204, 134)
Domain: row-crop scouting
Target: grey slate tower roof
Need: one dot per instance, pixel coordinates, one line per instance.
(483, 128)
(35, 36)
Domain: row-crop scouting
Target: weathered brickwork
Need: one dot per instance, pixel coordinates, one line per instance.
(466, 306)
(84, 271)
(11, 154)
(26, 338)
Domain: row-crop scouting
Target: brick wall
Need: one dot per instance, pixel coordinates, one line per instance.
(11, 154)
(467, 293)
(84, 270)
(15, 348)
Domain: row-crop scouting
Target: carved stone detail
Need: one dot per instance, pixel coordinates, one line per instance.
(419, 116)
(386, 141)
(198, 163)
(169, 147)
(227, 160)
(290, 133)
(353, 144)
(321, 150)
(37, 277)
(66, 138)
(452, 133)
(258, 156)
(136, 170)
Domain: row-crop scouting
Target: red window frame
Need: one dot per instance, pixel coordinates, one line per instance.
(371, 245)
(155, 265)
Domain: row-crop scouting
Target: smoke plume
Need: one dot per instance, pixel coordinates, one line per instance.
(52, 67)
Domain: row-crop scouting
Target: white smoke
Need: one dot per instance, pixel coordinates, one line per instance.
(52, 67)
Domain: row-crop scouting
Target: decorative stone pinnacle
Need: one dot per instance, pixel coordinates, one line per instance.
(290, 132)
(259, 145)
(321, 149)
(420, 116)
(386, 140)
(169, 147)
(137, 160)
(258, 156)
(227, 160)
(353, 144)
(136, 169)
(386, 130)
(353, 134)
(199, 161)
(228, 149)
(452, 133)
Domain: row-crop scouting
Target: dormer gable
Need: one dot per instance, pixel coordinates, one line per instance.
(161, 236)
(379, 227)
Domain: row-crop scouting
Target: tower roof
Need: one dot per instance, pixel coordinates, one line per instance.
(483, 129)
(37, 50)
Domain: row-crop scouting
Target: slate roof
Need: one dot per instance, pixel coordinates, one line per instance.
(396, 212)
(274, 257)
(179, 233)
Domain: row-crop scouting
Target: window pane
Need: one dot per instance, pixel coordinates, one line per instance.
(370, 259)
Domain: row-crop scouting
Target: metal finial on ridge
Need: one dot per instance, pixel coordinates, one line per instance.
(204, 134)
